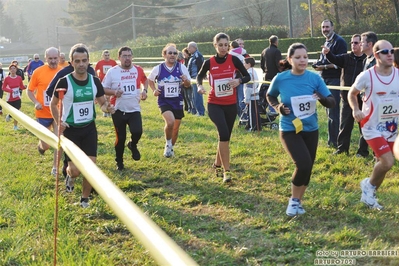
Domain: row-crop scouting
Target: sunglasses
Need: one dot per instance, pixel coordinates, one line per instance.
(175, 53)
(36, 58)
(385, 51)
(354, 42)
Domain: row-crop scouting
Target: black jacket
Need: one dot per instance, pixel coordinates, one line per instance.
(351, 66)
(270, 61)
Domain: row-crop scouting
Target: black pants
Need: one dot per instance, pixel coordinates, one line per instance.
(120, 120)
(223, 116)
(346, 127)
(302, 148)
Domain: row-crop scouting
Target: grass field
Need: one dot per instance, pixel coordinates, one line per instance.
(239, 224)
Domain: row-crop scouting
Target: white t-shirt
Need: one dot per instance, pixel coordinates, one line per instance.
(129, 81)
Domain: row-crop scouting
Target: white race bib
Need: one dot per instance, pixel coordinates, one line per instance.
(171, 90)
(129, 88)
(222, 87)
(82, 112)
(388, 109)
(46, 99)
(303, 106)
(106, 68)
(15, 92)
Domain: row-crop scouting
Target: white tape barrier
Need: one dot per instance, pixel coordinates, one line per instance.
(162, 248)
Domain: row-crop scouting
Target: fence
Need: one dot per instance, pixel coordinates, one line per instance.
(162, 248)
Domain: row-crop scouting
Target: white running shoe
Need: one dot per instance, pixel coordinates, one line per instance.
(168, 151)
(368, 195)
(293, 207)
(84, 202)
(54, 171)
(8, 118)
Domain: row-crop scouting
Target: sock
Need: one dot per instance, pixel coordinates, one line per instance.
(169, 142)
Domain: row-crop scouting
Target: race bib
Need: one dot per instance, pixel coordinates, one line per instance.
(388, 109)
(15, 92)
(106, 68)
(46, 99)
(222, 87)
(171, 90)
(82, 112)
(129, 88)
(303, 106)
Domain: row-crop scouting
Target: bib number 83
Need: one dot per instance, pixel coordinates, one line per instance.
(304, 106)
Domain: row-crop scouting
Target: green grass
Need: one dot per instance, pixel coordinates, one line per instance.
(239, 224)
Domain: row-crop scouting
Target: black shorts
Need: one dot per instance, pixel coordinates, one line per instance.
(16, 104)
(84, 137)
(179, 114)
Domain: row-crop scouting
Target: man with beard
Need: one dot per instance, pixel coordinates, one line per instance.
(331, 75)
(123, 82)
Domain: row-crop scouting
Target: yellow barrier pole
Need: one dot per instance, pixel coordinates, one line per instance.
(162, 248)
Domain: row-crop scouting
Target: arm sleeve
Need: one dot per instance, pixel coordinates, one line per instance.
(100, 88)
(239, 65)
(202, 73)
(277, 58)
(336, 59)
(62, 83)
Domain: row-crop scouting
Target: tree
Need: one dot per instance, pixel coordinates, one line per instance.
(112, 21)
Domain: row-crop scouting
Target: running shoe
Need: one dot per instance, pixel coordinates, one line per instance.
(218, 171)
(226, 177)
(16, 128)
(40, 150)
(84, 202)
(8, 118)
(168, 151)
(301, 210)
(135, 152)
(368, 195)
(69, 183)
(293, 207)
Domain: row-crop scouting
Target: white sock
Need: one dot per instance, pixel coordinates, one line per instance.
(169, 142)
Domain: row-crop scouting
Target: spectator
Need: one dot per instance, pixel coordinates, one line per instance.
(331, 75)
(251, 96)
(351, 65)
(188, 92)
(194, 65)
(239, 52)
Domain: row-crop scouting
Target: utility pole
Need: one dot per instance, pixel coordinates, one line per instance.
(133, 23)
(58, 37)
(289, 17)
(310, 18)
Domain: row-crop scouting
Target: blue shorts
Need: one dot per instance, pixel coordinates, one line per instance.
(46, 122)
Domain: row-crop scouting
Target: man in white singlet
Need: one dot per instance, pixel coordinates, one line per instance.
(379, 115)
